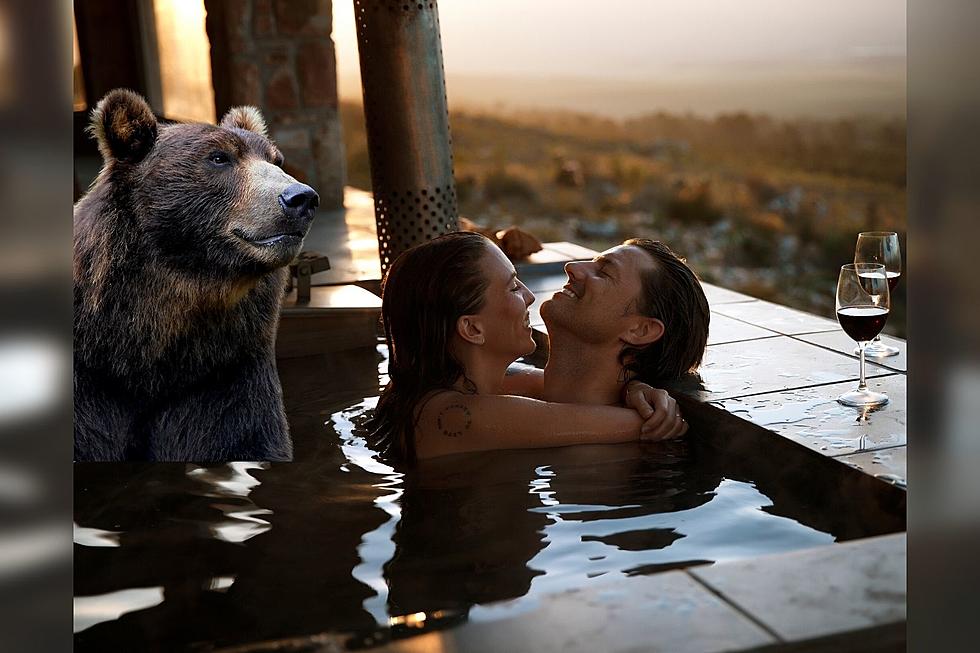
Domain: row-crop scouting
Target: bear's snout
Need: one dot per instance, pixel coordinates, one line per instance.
(299, 202)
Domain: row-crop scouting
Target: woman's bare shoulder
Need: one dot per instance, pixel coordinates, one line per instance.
(447, 412)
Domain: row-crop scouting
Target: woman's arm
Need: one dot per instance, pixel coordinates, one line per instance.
(456, 423)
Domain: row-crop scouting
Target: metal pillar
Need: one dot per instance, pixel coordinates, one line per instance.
(407, 122)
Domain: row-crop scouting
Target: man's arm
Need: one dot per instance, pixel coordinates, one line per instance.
(524, 381)
(661, 414)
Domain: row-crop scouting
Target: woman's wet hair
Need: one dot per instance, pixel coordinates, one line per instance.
(671, 293)
(426, 290)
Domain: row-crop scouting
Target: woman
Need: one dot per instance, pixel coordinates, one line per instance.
(455, 317)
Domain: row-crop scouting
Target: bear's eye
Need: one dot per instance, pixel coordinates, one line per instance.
(219, 158)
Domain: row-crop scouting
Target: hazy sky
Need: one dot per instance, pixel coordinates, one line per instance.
(624, 57)
(642, 38)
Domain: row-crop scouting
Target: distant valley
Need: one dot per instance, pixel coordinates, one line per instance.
(871, 86)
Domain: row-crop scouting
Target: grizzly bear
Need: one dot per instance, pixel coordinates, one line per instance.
(180, 254)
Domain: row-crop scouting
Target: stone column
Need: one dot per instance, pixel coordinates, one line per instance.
(278, 55)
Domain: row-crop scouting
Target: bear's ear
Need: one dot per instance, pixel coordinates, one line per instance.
(124, 126)
(247, 118)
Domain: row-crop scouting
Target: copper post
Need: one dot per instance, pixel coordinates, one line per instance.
(407, 122)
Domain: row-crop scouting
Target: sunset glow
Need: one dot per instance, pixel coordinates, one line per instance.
(697, 50)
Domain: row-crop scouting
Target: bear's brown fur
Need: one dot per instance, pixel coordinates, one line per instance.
(179, 253)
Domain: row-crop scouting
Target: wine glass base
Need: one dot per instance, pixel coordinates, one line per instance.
(878, 350)
(861, 398)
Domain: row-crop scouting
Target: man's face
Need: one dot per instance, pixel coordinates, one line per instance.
(599, 302)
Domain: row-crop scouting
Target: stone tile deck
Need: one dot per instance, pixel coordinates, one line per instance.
(349, 238)
(821, 593)
(669, 611)
(840, 342)
(813, 418)
(849, 596)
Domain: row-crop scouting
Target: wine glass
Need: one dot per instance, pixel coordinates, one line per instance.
(862, 308)
(880, 247)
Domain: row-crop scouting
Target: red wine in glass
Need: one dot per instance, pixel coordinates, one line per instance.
(880, 247)
(862, 323)
(863, 301)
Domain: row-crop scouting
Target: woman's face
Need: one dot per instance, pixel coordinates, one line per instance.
(507, 324)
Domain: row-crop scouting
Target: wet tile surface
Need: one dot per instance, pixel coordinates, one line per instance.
(665, 612)
(554, 255)
(349, 238)
(571, 250)
(812, 416)
(725, 329)
(887, 464)
(718, 295)
(839, 341)
(778, 318)
(818, 592)
(773, 364)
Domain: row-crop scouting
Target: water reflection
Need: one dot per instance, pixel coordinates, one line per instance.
(465, 535)
(243, 518)
(171, 556)
(90, 610)
(236, 553)
(515, 526)
(162, 519)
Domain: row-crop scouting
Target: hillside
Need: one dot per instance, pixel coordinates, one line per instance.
(765, 206)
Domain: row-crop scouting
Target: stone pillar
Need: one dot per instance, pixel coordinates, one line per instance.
(278, 55)
(407, 123)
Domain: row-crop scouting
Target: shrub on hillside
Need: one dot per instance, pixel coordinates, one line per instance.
(500, 186)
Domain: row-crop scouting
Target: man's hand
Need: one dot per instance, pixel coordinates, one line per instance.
(662, 417)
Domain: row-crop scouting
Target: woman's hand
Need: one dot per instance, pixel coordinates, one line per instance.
(661, 415)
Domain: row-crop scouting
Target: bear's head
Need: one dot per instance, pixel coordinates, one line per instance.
(207, 200)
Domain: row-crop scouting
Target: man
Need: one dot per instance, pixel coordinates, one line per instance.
(635, 312)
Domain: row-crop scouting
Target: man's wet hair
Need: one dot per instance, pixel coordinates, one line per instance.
(672, 293)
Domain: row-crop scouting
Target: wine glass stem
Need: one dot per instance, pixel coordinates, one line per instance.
(863, 385)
